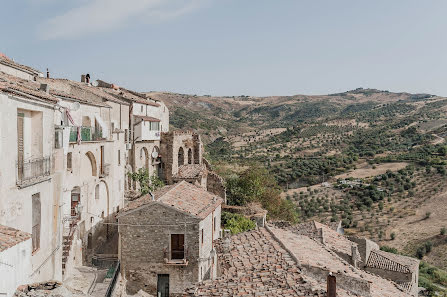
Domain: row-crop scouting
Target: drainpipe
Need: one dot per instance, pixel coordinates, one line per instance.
(331, 285)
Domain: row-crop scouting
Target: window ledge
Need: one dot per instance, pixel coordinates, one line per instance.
(179, 262)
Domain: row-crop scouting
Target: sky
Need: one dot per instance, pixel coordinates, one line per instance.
(234, 47)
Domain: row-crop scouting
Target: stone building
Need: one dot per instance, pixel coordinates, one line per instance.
(167, 240)
(182, 159)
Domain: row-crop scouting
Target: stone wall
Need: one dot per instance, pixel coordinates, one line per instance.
(142, 248)
(365, 246)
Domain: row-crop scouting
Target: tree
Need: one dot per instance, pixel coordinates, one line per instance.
(147, 183)
(256, 184)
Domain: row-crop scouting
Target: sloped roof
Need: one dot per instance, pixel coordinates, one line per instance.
(190, 171)
(332, 238)
(389, 261)
(312, 253)
(24, 88)
(8, 62)
(256, 265)
(182, 196)
(10, 237)
(149, 119)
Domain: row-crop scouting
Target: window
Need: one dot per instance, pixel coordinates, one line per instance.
(36, 219)
(202, 236)
(177, 246)
(119, 157)
(97, 192)
(215, 223)
(126, 136)
(154, 126)
(141, 108)
(102, 214)
(69, 161)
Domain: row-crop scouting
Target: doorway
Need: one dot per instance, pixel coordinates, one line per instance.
(75, 200)
(163, 285)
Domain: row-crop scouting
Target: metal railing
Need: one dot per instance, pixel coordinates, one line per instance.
(87, 134)
(114, 279)
(31, 170)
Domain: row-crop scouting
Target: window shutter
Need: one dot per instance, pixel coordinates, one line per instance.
(20, 124)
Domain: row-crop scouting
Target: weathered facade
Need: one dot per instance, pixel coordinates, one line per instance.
(166, 242)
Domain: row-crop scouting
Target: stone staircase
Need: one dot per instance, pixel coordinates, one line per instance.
(67, 241)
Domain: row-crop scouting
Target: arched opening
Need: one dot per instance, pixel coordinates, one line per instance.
(92, 159)
(144, 156)
(181, 157)
(75, 201)
(189, 156)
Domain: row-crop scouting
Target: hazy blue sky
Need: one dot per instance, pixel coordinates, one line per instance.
(234, 47)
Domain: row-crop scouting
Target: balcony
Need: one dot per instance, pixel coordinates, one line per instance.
(87, 134)
(176, 257)
(33, 171)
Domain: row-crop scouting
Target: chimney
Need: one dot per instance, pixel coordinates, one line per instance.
(45, 88)
(48, 73)
(83, 78)
(331, 285)
(87, 78)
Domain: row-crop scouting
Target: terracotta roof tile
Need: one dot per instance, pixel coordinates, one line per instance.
(150, 119)
(9, 237)
(182, 196)
(8, 62)
(254, 264)
(190, 171)
(388, 261)
(25, 88)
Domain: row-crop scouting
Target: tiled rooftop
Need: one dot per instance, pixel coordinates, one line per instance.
(184, 197)
(9, 237)
(150, 119)
(311, 253)
(388, 261)
(8, 62)
(190, 171)
(24, 88)
(256, 265)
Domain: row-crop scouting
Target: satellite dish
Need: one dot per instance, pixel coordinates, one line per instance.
(75, 106)
(154, 154)
(95, 83)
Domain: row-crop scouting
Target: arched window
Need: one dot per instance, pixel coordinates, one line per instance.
(69, 161)
(181, 157)
(189, 156)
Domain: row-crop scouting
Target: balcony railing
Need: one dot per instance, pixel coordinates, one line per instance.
(32, 170)
(87, 134)
(181, 257)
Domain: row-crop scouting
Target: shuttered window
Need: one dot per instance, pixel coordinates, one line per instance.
(177, 246)
(20, 125)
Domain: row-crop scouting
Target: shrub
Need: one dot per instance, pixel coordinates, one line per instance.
(427, 215)
(393, 236)
(236, 223)
(443, 231)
